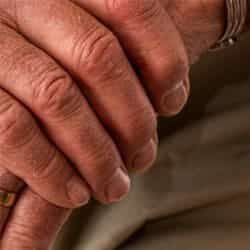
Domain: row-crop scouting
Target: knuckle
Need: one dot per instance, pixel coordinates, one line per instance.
(19, 239)
(46, 167)
(142, 125)
(124, 9)
(55, 94)
(16, 125)
(52, 91)
(98, 54)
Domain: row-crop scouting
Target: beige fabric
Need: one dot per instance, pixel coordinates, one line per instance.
(198, 195)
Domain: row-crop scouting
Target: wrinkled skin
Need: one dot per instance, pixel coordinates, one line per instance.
(160, 42)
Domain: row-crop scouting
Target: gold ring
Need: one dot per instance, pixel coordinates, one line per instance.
(7, 199)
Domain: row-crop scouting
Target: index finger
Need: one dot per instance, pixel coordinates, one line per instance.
(8, 183)
(34, 223)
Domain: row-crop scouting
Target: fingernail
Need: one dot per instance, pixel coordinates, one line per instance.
(118, 187)
(175, 99)
(77, 192)
(146, 157)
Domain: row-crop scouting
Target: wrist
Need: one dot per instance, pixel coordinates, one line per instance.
(236, 17)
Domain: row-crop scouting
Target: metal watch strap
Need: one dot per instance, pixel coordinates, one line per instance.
(236, 19)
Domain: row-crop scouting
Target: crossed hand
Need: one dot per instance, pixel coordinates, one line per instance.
(81, 85)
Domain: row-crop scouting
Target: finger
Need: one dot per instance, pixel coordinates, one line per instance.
(26, 153)
(93, 54)
(43, 86)
(8, 183)
(147, 158)
(33, 224)
(153, 42)
(201, 24)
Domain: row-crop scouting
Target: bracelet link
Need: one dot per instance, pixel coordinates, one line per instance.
(236, 19)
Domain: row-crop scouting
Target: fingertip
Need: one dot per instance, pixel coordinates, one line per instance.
(78, 192)
(118, 186)
(145, 158)
(174, 100)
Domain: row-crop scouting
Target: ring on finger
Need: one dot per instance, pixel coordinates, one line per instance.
(7, 199)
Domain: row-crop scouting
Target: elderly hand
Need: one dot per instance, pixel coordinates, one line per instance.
(69, 97)
(157, 40)
(97, 118)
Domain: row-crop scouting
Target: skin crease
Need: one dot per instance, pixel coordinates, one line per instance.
(24, 231)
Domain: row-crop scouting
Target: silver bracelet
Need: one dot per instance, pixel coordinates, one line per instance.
(236, 19)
